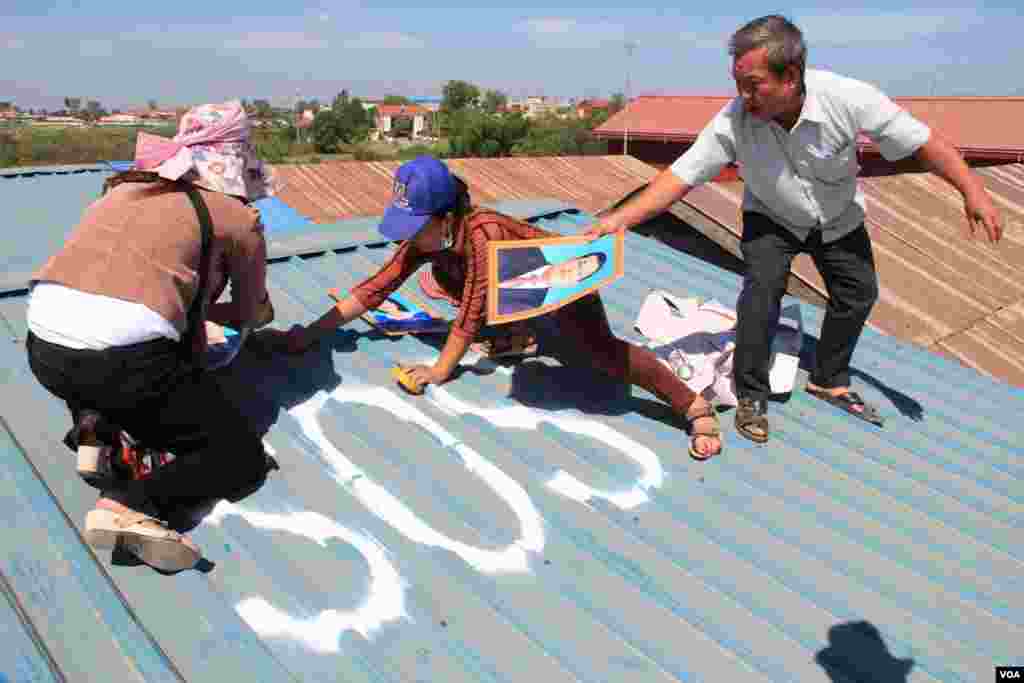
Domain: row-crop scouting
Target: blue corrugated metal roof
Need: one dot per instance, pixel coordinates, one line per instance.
(40, 209)
(532, 522)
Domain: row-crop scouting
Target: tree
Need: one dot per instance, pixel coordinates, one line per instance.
(345, 123)
(474, 133)
(552, 136)
(396, 99)
(314, 106)
(494, 100)
(595, 118)
(327, 132)
(458, 95)
(94, 111)
(262, 109)
(616, 103)
(72, 104)
(340, 100)
(153, 105)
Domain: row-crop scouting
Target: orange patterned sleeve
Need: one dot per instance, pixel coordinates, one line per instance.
(474, 294)
(372, 291)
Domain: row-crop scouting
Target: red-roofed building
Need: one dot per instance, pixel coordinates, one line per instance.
(387, 114)
(658, 129)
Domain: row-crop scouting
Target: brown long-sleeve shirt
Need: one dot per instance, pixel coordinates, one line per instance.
(461, 270)
(142, 243)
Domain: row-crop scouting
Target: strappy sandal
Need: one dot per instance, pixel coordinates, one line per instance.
(750, 415)
(511, 345)
(147, 538)
(852, 403)
(713, 432)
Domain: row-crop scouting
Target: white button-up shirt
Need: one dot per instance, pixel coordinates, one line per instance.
(806, 178)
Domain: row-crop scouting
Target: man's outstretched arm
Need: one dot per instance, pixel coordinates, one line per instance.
(944, 160)
(661, 193)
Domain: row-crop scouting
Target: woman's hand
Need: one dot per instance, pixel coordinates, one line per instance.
(422, 375)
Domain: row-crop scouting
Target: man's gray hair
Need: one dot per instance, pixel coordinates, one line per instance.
(784, 41)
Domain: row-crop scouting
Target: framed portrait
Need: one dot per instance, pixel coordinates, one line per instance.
(533, 277)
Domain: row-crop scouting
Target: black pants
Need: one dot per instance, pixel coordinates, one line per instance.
(848, 269)
(147, 390)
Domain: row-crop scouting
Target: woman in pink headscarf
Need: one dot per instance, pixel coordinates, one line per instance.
(117, 321)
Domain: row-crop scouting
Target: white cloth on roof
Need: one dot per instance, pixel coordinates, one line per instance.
(697, 341)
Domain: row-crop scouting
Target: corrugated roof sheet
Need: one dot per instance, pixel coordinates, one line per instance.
(40, 207)
(980, 127)
(532, 522)
(332, 190)
(937, 289)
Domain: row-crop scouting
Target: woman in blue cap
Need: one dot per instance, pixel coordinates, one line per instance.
(432, 216)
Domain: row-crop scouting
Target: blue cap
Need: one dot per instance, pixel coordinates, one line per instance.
(423, 187)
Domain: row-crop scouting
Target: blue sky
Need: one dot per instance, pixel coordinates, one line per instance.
(182, 52)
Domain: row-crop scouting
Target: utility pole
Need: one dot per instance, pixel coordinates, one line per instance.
(298, 117)
(630, 47)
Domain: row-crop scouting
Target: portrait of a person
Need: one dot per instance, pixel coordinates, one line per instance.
(525, 277)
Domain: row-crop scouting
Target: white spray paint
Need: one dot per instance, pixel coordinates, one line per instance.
(522, 417)
(385, 601)
(512, 558)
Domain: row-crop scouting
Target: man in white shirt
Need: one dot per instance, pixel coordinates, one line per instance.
(793, 133)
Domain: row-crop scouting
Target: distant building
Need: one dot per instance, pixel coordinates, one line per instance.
(534, 106)
(305, 120)
(387, 114)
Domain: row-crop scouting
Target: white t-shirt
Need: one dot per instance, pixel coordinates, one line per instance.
(80, 320)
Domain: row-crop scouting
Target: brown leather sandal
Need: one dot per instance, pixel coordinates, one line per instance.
(750, 416)
(713, 432)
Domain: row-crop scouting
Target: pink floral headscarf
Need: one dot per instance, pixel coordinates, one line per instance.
(211, 150)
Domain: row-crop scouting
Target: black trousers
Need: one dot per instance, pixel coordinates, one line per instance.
(148, 390)
(848, 269)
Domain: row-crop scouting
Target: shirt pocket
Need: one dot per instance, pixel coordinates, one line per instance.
(834, 168)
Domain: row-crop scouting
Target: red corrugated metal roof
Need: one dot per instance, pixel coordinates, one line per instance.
(663, 117)
(963, 298)
(333, 190)
(980, 127)
(400, 109)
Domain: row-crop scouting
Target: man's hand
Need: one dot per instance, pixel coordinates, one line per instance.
(422, 375)
(605, 225)
(982, 213)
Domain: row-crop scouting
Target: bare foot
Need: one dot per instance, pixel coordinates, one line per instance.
(836, 391)
(706, 446)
